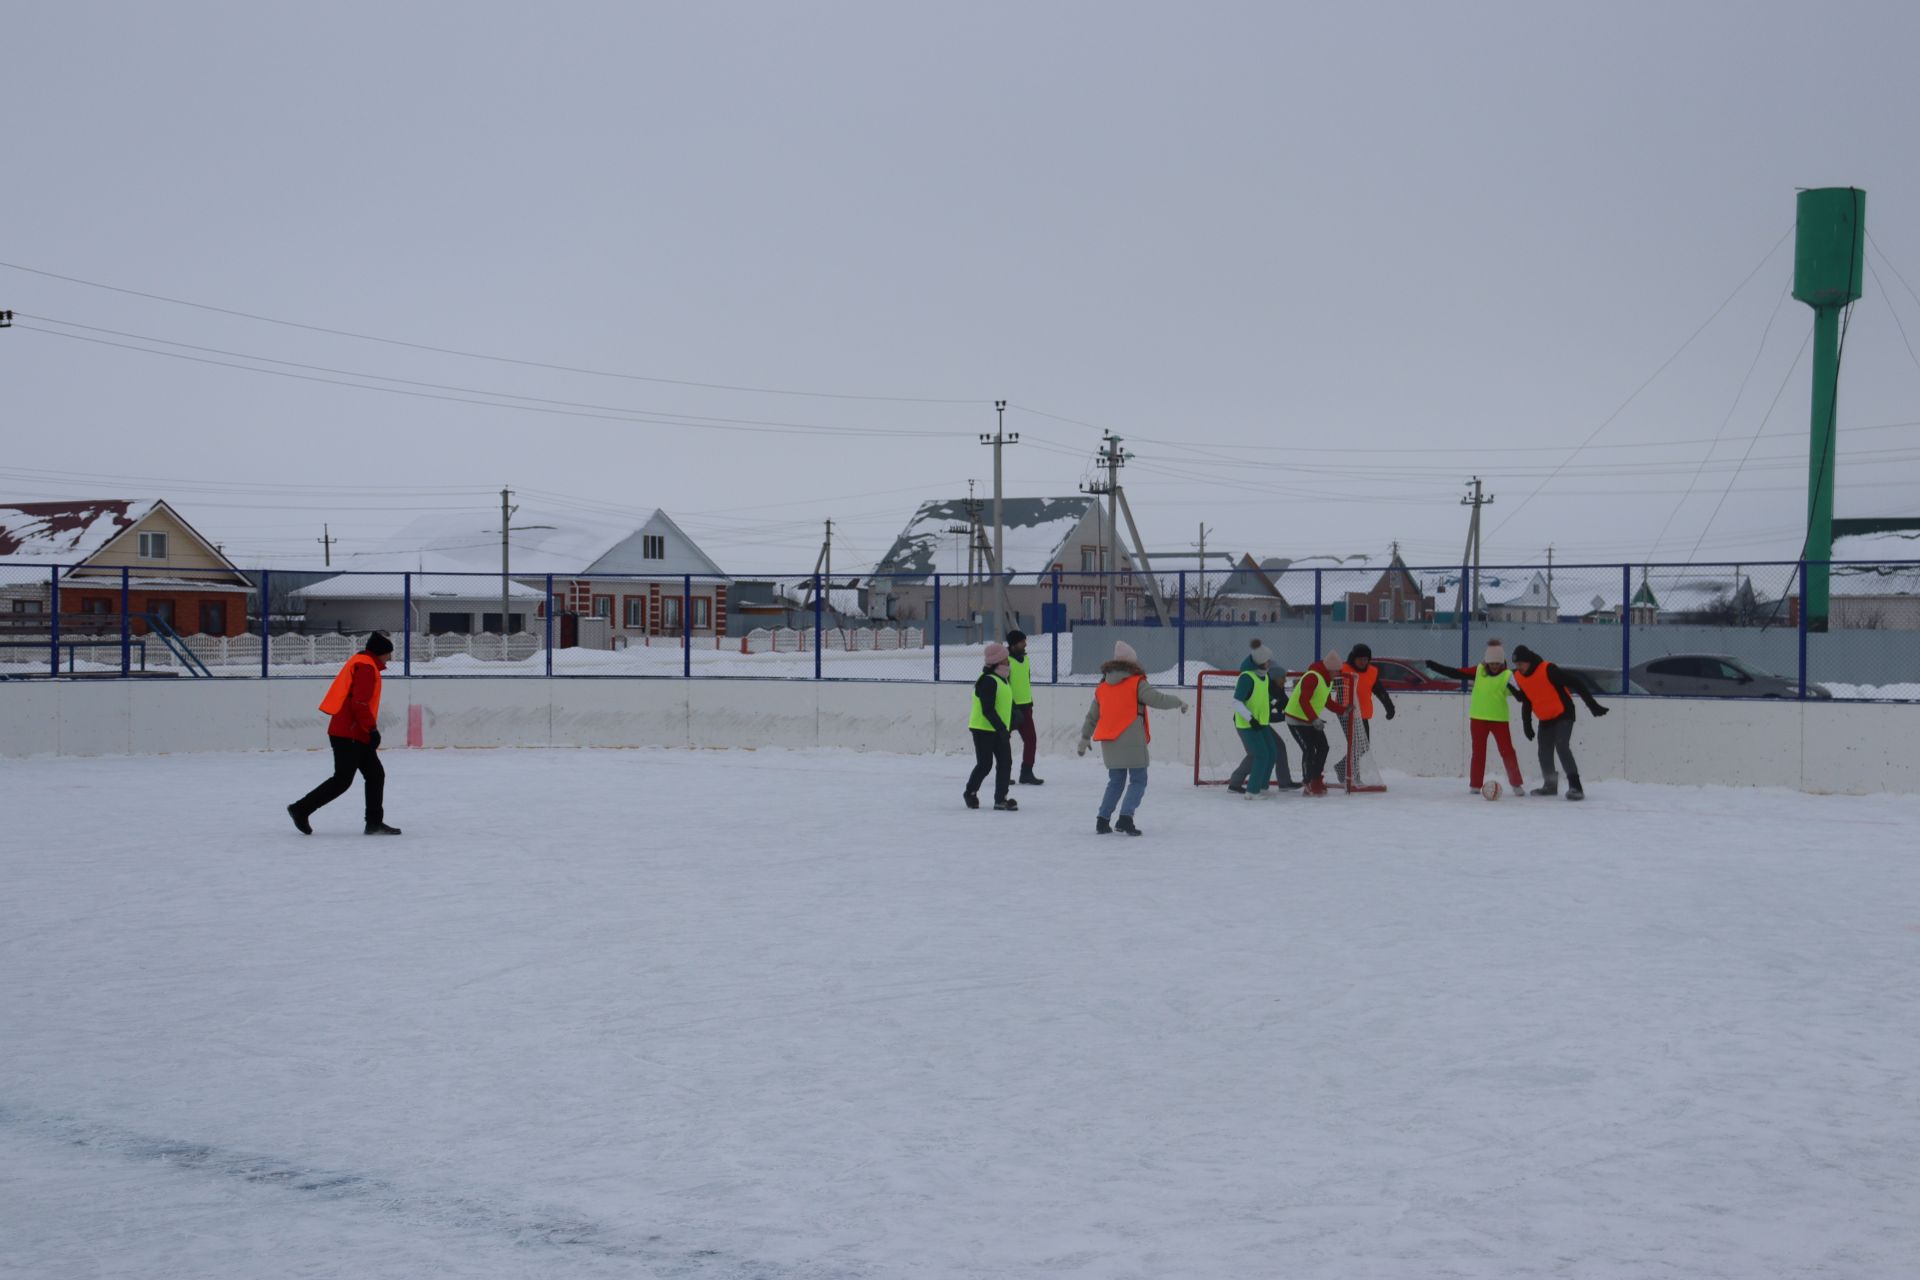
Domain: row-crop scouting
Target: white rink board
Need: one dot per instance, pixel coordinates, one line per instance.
(1813, 746)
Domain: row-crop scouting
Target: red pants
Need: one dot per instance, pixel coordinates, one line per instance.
(1502, 738)
(1023, 725)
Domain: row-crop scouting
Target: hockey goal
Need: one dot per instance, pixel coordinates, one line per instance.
(1217, 750)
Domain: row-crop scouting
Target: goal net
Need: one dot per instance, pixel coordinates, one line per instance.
(1217, 750)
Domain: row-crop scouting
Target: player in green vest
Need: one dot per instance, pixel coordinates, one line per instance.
(1253, 721)
(1020, 673)
(991, 723)
(1488, 713)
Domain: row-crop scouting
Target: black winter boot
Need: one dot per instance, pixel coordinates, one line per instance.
(1027, 778)
(972, 799)
(1237, 788)
(1573, 788)
(1009, 804)
(1101, 827)
(300, 822)
(1126, 824)
(1550, 786)
(381, 829)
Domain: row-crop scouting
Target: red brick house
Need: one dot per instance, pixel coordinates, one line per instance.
(106, 553)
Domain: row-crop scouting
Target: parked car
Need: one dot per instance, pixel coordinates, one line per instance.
(1604, 679)
(1400, 675)
(1716, 675)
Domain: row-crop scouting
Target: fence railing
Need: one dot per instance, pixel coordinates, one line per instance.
(1696, 630)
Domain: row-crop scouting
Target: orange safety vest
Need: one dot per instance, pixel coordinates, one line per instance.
(336, 699)
(1119, 705)
(1546, 700)
(1363, 682)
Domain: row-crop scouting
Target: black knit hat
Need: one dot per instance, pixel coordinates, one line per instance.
(1360, 651)
(1015, 636)
(378, 645)
(1523, 654)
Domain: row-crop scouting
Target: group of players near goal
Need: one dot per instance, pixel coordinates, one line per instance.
(1117, 719)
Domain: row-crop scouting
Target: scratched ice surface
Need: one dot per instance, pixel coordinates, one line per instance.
(788, 1015)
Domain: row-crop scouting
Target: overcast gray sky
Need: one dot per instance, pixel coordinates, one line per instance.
(1318, 264)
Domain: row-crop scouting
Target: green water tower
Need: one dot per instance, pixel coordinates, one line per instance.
(1828, 259)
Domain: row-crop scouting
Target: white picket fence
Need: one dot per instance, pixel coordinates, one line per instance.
(846, 639)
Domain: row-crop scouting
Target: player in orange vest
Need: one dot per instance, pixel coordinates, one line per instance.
(353, 702)
(1363, 678)
(1117, 720)
(1547, 692)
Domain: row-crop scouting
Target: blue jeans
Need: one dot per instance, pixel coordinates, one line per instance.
(1133, 782)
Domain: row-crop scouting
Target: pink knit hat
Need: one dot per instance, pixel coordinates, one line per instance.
(996, 654)
(1123, 652)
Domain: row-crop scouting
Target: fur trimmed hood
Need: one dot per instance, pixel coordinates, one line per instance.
(1121, 668)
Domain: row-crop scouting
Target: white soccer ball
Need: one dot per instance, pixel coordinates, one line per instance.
(1492, 789)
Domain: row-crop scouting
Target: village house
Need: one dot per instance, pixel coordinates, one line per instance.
(108, 556)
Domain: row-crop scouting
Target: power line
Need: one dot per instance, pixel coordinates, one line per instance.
(532, 404)
(476, 355)
(1804, 344)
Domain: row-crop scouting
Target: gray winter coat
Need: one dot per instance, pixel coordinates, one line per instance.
(1129, 750)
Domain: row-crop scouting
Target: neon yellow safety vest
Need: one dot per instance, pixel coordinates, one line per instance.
(1002, 703)
(1260, 702)
(1022, 672)
(1489, 700)
(1320, 696)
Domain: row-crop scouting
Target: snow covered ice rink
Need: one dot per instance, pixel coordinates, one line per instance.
(799, 1014)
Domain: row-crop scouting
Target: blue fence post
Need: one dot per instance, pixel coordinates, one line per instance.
(1626, 626)
(686, 626)
(1802, 611)
(266, 624)
(53, 604)
(1053, 626)
(406, 624)
(1183, 628)
(936, 631)
(1316, 616)
(549, 613)
(818, 610)
(126, 626)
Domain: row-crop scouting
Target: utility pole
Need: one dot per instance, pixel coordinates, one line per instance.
(999, 439)
(823, 565)
(1112, 459)
(1550, 604)
(1204, 610)
(1470, 591)
(506, 530)
(326, 541)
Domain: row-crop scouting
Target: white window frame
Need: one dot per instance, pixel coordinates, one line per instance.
(153, 545)
(653, 546)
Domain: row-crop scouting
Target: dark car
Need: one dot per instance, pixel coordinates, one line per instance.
(1716, 675)
(1400, 675)
(1604, 679)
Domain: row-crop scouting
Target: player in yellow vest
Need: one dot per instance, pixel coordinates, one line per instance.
(1313, 694)
(353, 703)
(1020, 675)
(991, 722)
(1487, 711)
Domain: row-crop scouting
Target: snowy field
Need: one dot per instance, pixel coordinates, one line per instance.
(786, 1015)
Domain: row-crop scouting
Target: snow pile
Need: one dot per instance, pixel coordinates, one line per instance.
(792, 1015)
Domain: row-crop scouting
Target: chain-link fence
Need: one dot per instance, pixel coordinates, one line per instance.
(1713, 630)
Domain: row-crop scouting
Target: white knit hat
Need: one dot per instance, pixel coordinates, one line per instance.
(1123, 652)
(1496, 652)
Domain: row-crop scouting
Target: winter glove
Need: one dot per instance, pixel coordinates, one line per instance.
(1599, 711)
(1083, 748)
(1526, 727)
(1389, 713)
(373, 739)
(1183, 710)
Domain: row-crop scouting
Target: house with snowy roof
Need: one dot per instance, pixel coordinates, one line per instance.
(1532, 600)
(1070, 537)
(1880, 591)
(106, 557)
(647, 581)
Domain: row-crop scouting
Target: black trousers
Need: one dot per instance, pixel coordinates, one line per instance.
(1555, 737)
(991, 751)
(349, 758)
(1313, 749)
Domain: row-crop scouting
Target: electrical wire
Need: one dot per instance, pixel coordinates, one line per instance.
(475, 355)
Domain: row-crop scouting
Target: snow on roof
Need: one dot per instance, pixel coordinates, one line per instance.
(389, 586)
(1534, 594)
(66, 532)
(1885, 578)
(542, 541)
(1035, 529)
